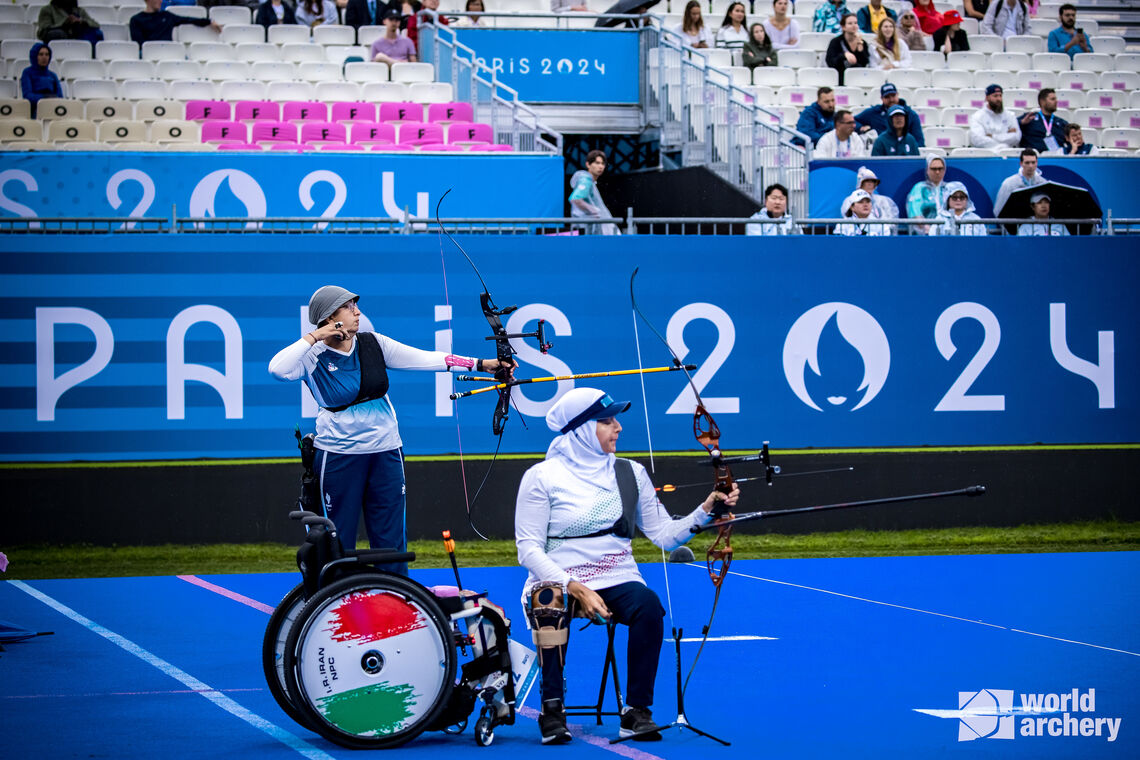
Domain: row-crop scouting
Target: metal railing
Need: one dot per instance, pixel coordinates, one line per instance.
(627, 225)
(512, 122)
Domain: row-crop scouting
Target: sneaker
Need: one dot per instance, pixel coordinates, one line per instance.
(637, 723)
(552, 721)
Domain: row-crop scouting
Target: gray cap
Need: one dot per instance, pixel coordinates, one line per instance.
(327, 300)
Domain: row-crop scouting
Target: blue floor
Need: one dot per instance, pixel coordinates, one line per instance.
(809, 658)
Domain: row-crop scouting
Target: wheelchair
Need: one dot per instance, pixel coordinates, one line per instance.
(369, 659)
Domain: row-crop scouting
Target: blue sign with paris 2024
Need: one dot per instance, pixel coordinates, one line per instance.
(554, 66)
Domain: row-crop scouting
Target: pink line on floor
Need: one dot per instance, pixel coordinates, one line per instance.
(235, 596)
(625, 750)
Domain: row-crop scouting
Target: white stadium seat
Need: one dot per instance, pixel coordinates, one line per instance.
(861, 77)
(1067, 98)
(1025, 43)
(238, 33)
(1096, 118)
(288, 34)
(120, 70)
(973, 153)
(171, 70)
(1117, 137)
(256, 52)
(1032, 79)
(1052, 62)
(412, 72)
(957, 116)
(381, 92)
(1020, 100)
(953, 79)
(1128, 118)
(985, 78)
(65, 50)
(1106, 99)
(142, 89)
(367, 72)
(155, 110)
(334, 34)
(337, 92)
(814, 77)
(1092, 62)
(189, 34)
(933, 97)
(189, 11)
(210, 51)
(224, 15)
(192, 89)
(927, 60)
(929, 117)
(163, 51)
(60, 108)
(1010, 61)
(773, 76)
(227, 71)
(987, 43)
(82, 69)
(796, 59)
(101, 110)
(1127, 62)
(273, 71)
(88, 89)
(303, 52)
(242, 90)
(967, 60)
(1124, 81)
(121, 130)
(1078, 80)
(1110, 45)
(946, 138)
(289, 91)
(909, 78)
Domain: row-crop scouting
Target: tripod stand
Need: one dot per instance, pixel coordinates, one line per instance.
(680, 721)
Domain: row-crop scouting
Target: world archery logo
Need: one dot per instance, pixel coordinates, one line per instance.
(991, 714)
(845, 336)
(987, 714)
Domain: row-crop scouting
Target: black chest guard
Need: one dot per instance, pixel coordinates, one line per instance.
(373, 371)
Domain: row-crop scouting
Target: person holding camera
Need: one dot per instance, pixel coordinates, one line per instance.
(1067, 38)
(359, 457)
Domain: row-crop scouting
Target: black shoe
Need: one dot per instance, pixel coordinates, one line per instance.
(637, 722)
(552, 721)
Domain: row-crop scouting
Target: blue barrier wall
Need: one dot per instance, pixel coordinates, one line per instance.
(156, 346)
(110, 183)
(561, 66)
(1112, 181)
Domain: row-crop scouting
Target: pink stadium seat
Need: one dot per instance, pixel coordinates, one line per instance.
(224, 131)
(419, 133)
(205, 110)
(294, 147)
(443, 147)
(358, 111)
(497, 148)
(257, 110)
(374, 132)
(468, 132)
(305, 110)
(238, 146)
(274, 131)
(393, 148)
(323, 131)
(450, 112)
(401, 112)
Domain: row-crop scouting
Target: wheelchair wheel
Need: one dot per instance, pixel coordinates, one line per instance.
(273, 650)
(370, 661)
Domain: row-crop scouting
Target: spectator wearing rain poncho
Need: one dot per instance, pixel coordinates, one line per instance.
(882, 206)
(858, 206)
(959, 209)
(927, 197)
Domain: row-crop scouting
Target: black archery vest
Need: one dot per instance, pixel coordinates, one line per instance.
(373, 371)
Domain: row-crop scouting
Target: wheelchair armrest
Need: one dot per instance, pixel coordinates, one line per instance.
(373, 556)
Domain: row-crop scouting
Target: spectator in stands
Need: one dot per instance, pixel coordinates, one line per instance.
(65, 20)
(951, 37)
(274, 12)
(991, 126)
(775, 207)
(873, 14)
(758, 51)
(155, 25)
(733, 32)
(38, 81)
(829, 17)
(929, 18)
(897, 139)
(360, 13)
(585, 199)
(958, 210)
(910, 31)
(858, 206)
(469, 22)
(1042, 129)
(1027, 176)
(848, 50)
(888, 51)
(562, 6)
(1075, 144)
(313, 13)
(391, 47)
(875, 117)
(782, 29)
(1040, 226)
(928, 197)
(415, 21)
(819, 117)
(692, 29)
(1067, 38)
(1005, 18)
(841, 142)
(976, 8)
(882, 206)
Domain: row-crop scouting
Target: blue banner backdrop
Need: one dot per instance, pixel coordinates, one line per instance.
(555, 66)
(156, 346)
(109, 183)
(1112, 181)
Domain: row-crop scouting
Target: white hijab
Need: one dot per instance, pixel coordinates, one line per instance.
(578, 449)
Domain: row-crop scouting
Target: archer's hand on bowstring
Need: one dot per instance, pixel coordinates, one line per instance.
(729, 500)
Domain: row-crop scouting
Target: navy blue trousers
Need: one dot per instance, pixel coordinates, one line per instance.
(373, 483)
(637, 606)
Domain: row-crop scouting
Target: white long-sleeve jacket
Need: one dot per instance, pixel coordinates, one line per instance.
(992, 130)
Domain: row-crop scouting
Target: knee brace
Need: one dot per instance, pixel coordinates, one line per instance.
(549, 617)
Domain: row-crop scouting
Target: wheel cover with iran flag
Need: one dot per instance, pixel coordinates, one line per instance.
(372, 663)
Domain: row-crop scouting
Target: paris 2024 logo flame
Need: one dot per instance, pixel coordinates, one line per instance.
(845, 330)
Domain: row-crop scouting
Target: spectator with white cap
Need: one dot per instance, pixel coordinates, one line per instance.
(882, 206)
(360, 456)
(1040, 224)
(858, 206)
